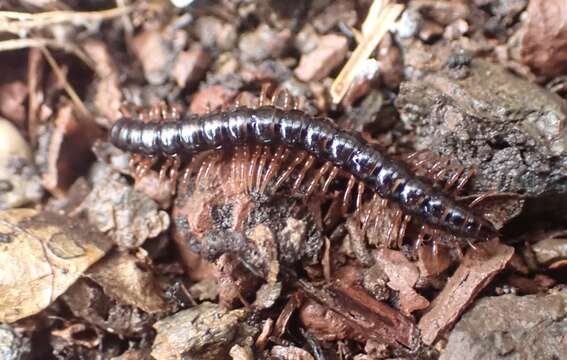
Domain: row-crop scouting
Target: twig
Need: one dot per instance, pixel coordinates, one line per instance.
(374, 29)
(20, 22)
(16, 44)
(68, 88)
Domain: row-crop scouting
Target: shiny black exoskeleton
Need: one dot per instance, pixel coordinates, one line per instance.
(320, 137)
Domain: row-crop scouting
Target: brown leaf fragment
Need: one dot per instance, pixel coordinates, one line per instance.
(214, 33)
(544, 44)
(205, 331)
(78, 334)
(238, 352)
(153, 49)
(206, 289)
(134, 354)
(190, 66)
(88, 301)
(478, 268)
(274, 43)
(325, 324)
(264, 337)
(128, 215)
(281, 323)
(129, 281)
(211, 98)
(319, 63)
(41, 255)
(402, 274)
(67, 149)
(431, 264)
(372, 318)
(552, 248)
(264, 240)
(290, 353)
(236, 283)
(342, 11)
(108, 96)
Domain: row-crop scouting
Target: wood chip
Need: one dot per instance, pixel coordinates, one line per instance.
(478, 268)
(402, 274)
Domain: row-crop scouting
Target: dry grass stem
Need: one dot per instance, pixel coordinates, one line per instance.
(374, 28)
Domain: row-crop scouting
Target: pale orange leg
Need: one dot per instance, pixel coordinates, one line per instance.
(298, 160)
(332, 175)
(315, 181)
(347, 194)
(255, 167)
(403, 229)
(308, 164)
(281, 155)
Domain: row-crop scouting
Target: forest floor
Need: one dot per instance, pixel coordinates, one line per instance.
(246, 253)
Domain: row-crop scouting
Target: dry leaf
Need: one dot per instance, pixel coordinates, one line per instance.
(124, 278)
(41, 255)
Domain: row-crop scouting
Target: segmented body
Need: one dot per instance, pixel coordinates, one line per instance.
(383, 175)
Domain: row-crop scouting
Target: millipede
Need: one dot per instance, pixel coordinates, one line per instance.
(304, 139)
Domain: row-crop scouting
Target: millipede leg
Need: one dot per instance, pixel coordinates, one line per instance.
(379, 214)
(238, 100)
(437, 166)
(464, 181)
(260, 169)
(394, 227)
(306, 166)
(255, 155)
(365, 219)
(243, 173)
(286, 97)
(403, 229)
(347, 194)
(420, 237)
(332, 175)
(415, 155)
(263, 100)
(133, 163)
(143, 166)
(174, 173)
(163, 111)
(233, 172)
(359, 194)
(481, 198)
(453, 178)
(185, 177)
(201, 172)
(164, 169)
(315, 181)
(438, 176)
(235, 168)
(298, 160)
(281, 155)
(460, 253)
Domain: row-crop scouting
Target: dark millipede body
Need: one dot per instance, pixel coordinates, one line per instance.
(385, 176)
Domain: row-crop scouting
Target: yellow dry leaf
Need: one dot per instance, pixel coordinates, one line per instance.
(41, 255)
